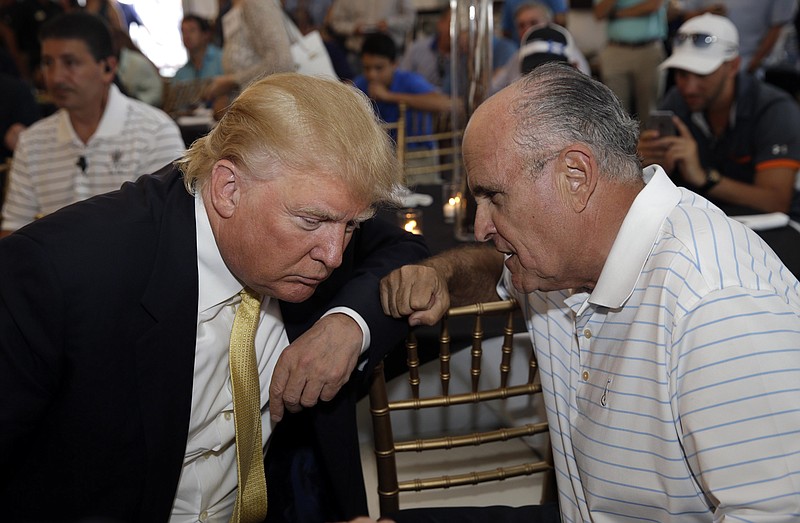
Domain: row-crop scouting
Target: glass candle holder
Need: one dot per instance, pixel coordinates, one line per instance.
(451, 201)
(410, 220)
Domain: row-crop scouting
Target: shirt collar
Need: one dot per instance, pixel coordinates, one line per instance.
(743, 105)
(111, 123)
(216, 283)
(635, 240)
(699, 120)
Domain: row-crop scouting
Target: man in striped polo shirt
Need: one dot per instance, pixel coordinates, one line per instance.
(667, 334)
(97, 140)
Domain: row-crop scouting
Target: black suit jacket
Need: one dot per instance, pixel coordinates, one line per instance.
(98, 307)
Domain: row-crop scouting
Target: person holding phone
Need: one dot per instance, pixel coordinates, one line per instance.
(738, 139)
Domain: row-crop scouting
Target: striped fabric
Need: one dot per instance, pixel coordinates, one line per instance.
(673, 390)
(132, 139)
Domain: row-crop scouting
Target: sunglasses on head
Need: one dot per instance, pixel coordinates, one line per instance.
(701, 40)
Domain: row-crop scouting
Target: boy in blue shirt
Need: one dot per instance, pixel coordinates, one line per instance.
(388, 87)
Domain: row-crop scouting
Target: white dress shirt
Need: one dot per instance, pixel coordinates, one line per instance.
(207, 487)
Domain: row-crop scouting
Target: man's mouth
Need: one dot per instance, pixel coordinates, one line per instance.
(311, 281)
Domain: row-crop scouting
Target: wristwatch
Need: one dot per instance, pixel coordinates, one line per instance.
(712, 178)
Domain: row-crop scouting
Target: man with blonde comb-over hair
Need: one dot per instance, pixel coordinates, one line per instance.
(115, 383)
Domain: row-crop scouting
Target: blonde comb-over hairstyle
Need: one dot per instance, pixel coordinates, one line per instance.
(301, 123)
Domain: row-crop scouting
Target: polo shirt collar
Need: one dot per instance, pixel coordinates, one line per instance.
(743, 105)
(638, 234)
(111, 123)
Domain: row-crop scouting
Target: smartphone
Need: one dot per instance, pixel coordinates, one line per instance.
(662, 122)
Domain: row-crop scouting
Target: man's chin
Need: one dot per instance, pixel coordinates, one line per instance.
(521, 285)
(296, 292)
(534, 283)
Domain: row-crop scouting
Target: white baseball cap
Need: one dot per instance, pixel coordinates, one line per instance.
(702, 44)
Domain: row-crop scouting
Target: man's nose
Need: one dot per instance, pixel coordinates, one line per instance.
(54, 72)
(330, 249)
(484, 226)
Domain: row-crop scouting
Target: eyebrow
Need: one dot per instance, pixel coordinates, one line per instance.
(327, 216)
(482, 190)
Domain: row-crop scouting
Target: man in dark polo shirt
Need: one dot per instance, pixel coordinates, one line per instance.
(738, 139)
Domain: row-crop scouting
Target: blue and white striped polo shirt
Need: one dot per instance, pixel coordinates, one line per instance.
(673, 389)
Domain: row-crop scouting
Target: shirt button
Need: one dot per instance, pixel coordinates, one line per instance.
(585, 375)
(203, 516)
(587, 333)
(228, 416)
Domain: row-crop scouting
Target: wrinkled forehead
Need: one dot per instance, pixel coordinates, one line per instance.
(327, 195)
(489, 146)
(492, 118)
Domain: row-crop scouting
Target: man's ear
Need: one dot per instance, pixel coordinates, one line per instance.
(579, 176)
(224, 188)
(110, 67)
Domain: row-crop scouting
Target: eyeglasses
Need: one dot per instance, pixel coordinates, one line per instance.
(702, 40)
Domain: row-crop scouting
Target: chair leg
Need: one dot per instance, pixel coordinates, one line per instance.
(388, 492)
(549, 487)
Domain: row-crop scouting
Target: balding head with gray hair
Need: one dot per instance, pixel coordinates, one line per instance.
(556, 105)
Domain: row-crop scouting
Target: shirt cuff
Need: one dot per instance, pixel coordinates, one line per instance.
(358, 319)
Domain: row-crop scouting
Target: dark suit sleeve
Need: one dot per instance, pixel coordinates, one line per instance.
(30, 332)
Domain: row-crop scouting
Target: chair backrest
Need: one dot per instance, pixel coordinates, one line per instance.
(397, 130)
(478, 387)
(182, 96)
(428, 144)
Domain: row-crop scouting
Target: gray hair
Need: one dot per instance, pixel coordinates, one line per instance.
(557, 105)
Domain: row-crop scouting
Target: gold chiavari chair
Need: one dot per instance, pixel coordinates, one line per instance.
(480, 389)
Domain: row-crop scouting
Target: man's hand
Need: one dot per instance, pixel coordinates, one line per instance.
(379, 92)
(671, 152)
(682, 152)
(316, 365)
(652, 149)
(416, 291)
(12, 135)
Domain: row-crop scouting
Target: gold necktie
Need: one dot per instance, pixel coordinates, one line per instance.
(251, 498)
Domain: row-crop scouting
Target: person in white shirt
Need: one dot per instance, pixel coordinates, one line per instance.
(666, 333)
(97, 140)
